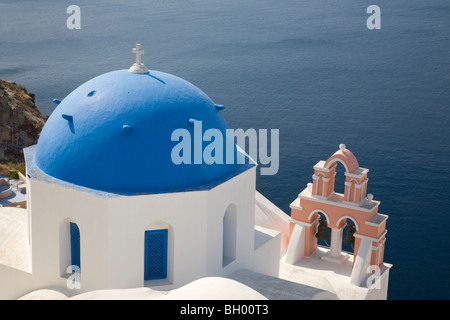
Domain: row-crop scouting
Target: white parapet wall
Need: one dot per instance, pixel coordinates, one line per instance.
(267, 247)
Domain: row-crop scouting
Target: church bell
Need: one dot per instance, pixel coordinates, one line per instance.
(349, 238)
(322, 233)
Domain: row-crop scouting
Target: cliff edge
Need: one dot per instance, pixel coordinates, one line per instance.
(21, 121)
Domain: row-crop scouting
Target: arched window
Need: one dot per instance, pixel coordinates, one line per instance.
(229, 235)
(75, 245)
(155, 263)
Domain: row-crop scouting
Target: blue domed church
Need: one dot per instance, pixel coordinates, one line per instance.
(110, 208)
(135, 184)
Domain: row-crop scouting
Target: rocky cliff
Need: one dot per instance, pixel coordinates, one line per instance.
(20, 121)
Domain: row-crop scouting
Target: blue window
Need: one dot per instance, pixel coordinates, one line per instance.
(155, 254)
(75, 244)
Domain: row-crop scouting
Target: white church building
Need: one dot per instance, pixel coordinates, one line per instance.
(107, 208)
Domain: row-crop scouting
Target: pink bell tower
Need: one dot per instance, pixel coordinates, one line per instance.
(320, 198)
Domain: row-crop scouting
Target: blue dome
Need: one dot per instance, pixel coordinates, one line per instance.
(113, 134)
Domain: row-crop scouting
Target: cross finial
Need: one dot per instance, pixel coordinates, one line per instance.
(138, 67)
(139, 52)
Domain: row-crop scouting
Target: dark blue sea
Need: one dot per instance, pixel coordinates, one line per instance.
(310, 68)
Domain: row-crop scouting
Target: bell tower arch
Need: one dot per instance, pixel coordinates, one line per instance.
(355, 177)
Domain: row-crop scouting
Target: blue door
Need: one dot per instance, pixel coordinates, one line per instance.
(75, 244)
(155, 254)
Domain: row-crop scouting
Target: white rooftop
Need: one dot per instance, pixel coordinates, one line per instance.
(329, 276)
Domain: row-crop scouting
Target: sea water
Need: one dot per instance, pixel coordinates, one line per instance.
(310, 68)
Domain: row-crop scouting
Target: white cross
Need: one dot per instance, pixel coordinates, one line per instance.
(139, 52)
(138, 67)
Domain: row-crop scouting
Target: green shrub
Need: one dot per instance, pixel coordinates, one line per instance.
(14, 175)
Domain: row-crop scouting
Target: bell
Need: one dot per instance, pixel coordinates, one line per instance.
(322, 233)
(349, 238)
